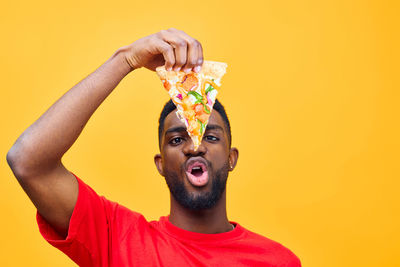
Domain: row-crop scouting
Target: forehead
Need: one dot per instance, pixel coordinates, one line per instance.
(172, 121)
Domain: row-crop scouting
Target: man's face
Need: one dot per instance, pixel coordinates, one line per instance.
(196, 179)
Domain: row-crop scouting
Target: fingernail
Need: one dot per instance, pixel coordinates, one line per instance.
(169, 68)
(197, 69)
(186, 70)
(177, 69)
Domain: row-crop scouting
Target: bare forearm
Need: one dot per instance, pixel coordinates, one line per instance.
(35, 158)
(44, 143)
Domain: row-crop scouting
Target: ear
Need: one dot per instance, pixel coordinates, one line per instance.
(158, 162)
(233, 158)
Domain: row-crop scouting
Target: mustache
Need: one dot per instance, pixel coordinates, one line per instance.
(209, 164)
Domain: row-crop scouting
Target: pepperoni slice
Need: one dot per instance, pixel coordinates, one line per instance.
(198, 109)
(167, 85)
(190, 82)
(203, 117)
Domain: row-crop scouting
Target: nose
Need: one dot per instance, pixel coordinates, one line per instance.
(188, 149)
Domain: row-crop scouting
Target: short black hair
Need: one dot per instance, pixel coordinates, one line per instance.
(170, 106)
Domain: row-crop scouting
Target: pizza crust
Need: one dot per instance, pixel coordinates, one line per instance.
(210, 68)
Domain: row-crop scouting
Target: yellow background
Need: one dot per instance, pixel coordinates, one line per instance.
(311, 92)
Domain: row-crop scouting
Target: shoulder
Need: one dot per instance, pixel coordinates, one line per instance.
(274, 250)
(104, 212)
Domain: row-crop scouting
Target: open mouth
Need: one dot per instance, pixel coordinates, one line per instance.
(196, 171)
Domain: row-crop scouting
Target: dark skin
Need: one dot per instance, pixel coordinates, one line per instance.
(35, 158)
(176, 148)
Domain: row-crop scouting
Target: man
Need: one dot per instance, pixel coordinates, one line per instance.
(94, 231)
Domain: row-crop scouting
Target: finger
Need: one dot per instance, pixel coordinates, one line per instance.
(168, 53)
(200, 59)
(180, 47)
(194, 54)
(180, 54)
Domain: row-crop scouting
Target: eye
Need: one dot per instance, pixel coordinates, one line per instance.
(211, 138)
(176, 141)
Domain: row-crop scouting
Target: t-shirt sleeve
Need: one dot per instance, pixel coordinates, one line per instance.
(90, 236)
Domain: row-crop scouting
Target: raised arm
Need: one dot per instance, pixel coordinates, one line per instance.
(35, 158)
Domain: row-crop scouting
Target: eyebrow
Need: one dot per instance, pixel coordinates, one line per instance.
(175, 130)
(179, 129)
(214, 127)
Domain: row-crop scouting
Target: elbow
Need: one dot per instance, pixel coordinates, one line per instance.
(25, 163)
(21, 165)
(11, 157)
(15, 163)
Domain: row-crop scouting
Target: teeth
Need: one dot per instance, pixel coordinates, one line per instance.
(196, 168)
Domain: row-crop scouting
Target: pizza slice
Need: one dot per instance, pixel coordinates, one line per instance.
(194, 95)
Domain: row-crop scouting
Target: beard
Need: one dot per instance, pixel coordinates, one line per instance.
(198, 201)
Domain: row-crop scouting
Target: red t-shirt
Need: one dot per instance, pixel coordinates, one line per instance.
(104, 233)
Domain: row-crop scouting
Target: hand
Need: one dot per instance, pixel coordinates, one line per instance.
(172, 47)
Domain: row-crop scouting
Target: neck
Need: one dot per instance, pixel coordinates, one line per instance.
(210, 221)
